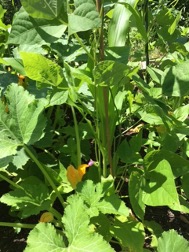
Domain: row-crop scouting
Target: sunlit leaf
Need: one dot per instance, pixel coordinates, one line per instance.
(130, 234)
(24, 122)
(26, 30)
(43, 9)
(172, 241)
(41, 69)
(84, 17)
(44, 238)
(76, 222)
(32, 199)
(160, 189)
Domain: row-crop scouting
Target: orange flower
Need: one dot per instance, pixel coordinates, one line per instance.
(75, 175)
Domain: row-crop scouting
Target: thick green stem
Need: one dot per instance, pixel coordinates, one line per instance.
(10, 182)
(107, 144)
(46, 175)
(17, 225)
(77, 137)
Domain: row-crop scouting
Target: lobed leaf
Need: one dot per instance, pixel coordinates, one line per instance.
(171, 241)
(44, 238)
(76, 222)
(32, 198)
(23, 123)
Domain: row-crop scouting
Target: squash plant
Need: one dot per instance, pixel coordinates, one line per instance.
(73, 95)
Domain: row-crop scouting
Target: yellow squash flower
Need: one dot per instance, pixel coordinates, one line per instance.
(75, 175)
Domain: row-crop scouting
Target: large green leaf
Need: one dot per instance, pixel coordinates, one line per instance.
(43, 8)
(179, 165)
(44, 238)
(84, 17)
(41, 69)
(23, 30)
(175, 80)
(119, 25)
(130, 234)
(23, 123)
(76, 223)
(26, 30)
(160, 188)
(135, 194)
(171, 241)
(113, 205)
(95, 197)
(31, 199)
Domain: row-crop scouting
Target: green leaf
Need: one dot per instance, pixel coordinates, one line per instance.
(185, 184)
(76, 222)
(130, 234)
(16, 64)
(113, 205)
(155, 74)
(135, 194)
(90, 192)
(75, 219)
(44, 238)
(127, 153)
(175, 80)
(24, 122)
(40, 69)
(119, 25)
(179, 165)
(182, 113)
(85, 17)
(20, 159)
(110, 73)
(119, 54)
(28, 31)
(93, 196)
(31, 199)
(2, 12)
(23, 30)
(171, 241)
(43, 9)
(58, 98)
(174, 25)
(138, 21)
(160, 188)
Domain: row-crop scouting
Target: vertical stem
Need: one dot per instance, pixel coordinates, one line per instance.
(147, 44)
(99, 5)
(77, 137)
